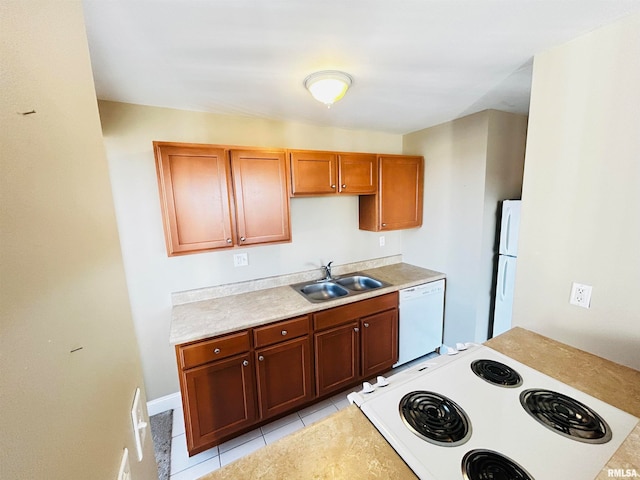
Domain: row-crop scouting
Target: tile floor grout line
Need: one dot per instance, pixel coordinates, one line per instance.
(330, 402)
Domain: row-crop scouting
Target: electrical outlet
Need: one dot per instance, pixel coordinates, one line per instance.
(580, 295)
(240, 260)
(124, 473)
(382, 240)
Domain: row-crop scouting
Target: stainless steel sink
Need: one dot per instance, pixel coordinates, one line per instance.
(359, 282)
(323, 290)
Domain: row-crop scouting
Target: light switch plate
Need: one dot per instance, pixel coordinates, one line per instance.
(124, 473)
(139, 424)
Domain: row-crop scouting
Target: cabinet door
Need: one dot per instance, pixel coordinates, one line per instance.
(398, 203)
(379, 342)
(337, 357)
(284, 376)
(313, 173)
(194, 194)
(358, 173)
(261, 196)
(219, 399)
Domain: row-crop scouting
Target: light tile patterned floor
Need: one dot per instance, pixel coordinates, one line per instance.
(184, 467)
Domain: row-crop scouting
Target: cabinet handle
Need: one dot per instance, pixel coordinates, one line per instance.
(216, 351)
(384, 224)
(366, 325)
(344, 186)
(356, 329)
(242, 239)
(283, 332)
(333, 186)
(261, 358)
(245, 363)
(228, 240)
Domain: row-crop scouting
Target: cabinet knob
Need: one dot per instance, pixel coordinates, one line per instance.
(333, 186)
(261, 358)
(228, 240)
(344, 186)
(242, 239)
(384, 224)
(356, 329)
(366, 325)
(245, 363)
(216, 351)
(283, 332)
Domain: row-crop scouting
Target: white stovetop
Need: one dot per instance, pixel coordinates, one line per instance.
(498, 420)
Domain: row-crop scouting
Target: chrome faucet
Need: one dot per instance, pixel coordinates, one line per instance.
(327, 271)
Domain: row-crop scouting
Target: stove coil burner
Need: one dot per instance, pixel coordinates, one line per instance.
(490, 465)
(496, 373)
(565, 415)
(435, 418)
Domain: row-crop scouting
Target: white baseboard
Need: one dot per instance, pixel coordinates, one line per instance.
(162, 404)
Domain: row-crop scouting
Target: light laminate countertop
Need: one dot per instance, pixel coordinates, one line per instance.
(346, 445)
(201, 319)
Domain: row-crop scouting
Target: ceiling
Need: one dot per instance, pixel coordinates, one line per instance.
(414, 63)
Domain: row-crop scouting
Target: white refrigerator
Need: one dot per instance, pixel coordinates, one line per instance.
(506, 271)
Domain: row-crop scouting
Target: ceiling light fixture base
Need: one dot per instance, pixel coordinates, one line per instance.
(328, 86)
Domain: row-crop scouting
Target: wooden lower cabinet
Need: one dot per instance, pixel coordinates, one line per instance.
(379, 336)
(236, 382)
(219, 399)
(337, 358)
(354, 342)
(284, 376)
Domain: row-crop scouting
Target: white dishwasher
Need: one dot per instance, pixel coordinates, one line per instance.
(421, 320)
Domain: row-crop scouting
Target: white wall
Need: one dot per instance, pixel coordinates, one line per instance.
(69, 359)
(470, 164)
(323, 228)
(581, 194)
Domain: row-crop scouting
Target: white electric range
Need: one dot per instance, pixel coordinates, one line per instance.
(507, 421)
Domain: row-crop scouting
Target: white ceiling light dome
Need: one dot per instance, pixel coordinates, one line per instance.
(328, 86)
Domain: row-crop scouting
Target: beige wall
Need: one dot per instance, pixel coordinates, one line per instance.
(581, 194)
(506, 142)
(470, 164)
(323, 229)
(64, 415)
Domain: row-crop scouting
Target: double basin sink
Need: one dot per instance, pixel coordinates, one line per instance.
(319, 291)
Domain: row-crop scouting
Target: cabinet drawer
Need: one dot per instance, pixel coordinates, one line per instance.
(216, 349)
(281, 331)
(345, 313)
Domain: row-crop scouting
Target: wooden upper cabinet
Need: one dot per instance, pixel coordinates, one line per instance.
(261, 196)
(194, 184)
(328, 173)
(398, 203)
(216, 197)
(358, 173)
(313, 173)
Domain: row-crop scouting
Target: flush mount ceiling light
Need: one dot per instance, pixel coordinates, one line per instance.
(328, 86)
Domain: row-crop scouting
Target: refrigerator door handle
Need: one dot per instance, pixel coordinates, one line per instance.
(508, 235)
(503, 290)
